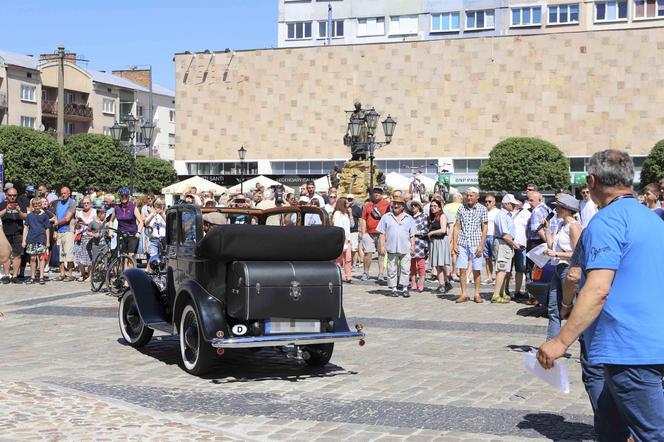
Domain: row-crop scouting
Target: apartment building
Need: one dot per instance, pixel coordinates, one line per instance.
(94, 100)
(305, 22)
(20, 90)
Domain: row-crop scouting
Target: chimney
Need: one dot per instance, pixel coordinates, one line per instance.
(69, 57)
(138, 76)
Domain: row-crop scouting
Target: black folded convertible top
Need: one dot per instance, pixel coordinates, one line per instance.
(243, 242)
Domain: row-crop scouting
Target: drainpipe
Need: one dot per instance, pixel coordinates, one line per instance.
(329, 24)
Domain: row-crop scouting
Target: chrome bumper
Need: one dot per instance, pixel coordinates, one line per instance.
(279, 340)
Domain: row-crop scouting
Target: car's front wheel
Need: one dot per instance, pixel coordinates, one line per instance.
(319, 354)
(197, 355)
(132, 327)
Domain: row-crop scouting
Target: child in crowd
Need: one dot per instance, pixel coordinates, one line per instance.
(36, 240)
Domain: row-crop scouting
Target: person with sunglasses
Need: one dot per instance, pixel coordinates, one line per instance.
(12, 214)
(588, 206)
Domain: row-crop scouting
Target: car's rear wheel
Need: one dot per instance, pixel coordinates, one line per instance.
(319, 354)
(197, 355)
(132, 327)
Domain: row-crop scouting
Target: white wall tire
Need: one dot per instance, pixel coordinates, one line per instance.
(196, 354)
(132, 328)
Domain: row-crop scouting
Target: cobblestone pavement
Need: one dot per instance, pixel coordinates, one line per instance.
(431, 370)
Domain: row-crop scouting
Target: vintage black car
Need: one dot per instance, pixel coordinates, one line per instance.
(243, 284)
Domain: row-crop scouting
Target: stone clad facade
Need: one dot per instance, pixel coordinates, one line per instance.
(451, 98)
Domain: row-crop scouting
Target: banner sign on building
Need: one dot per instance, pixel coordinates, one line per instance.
(465, 179)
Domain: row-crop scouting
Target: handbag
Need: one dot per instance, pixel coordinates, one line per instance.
(78, 237)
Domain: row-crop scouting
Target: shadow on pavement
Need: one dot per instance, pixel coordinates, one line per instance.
(243, 365)
(538, 311)
(554, 427)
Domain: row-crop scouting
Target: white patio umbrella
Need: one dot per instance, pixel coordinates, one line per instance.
(201, 185)
(397, 181)
(251, 183)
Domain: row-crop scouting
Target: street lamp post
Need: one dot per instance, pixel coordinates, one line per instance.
(242, 153)
(148, 132)
(371, 121)
(116, 133)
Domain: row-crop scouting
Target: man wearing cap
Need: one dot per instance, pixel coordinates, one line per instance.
(213, 219)
(369, 236)
(469, 233)
(27, 196)
(397, 237)
(503, 247)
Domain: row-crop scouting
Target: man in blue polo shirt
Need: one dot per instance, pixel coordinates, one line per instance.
(620, 306)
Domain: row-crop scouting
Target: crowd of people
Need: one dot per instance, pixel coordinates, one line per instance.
(607, 281)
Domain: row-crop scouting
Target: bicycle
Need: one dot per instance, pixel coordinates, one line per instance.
(108, 267)
(416, 186)
(442, 185)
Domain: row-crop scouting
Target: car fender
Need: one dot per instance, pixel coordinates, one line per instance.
(211, 311)
(147, 297)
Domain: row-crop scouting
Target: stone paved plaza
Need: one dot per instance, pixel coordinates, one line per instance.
(431, 370)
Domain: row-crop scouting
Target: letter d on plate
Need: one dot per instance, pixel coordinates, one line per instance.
(239, 329)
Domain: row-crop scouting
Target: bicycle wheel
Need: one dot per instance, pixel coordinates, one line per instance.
(115, 280)
(98, 271)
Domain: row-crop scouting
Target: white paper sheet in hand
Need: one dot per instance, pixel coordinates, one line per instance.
(537, 255)
(556, 376)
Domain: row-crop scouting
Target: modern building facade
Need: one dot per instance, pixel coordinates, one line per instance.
(453, 100)
(305, 22)
(94, 100)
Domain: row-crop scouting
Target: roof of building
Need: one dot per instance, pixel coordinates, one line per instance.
(24, 61)
(29, 62)
(116, 80)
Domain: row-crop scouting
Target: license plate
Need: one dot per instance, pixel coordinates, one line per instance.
(281, 325)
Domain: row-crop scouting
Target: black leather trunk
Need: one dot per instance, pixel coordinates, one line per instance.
(284, 289)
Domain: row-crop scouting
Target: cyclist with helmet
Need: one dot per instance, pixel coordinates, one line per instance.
(130, 223)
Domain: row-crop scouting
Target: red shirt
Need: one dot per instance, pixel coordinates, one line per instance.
(372, 223)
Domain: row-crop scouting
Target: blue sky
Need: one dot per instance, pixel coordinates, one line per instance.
(116, 34)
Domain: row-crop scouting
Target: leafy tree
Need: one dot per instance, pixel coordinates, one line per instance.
(33, 157)
(653, 166)
(97, 162)
(515, 162)
(153, 174)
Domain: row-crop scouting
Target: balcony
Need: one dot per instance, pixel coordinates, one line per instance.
(73, 111)
(3, 100)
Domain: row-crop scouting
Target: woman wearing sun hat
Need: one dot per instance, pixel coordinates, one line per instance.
(560, 246)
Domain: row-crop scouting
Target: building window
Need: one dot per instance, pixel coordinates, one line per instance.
(171, 141)
(108, 106)
(171, 116)
(648, 8)
(563, 14)
(445, 22)
(610, 11)
(107, 131)
(367, 27)
(404, 25)
(299, 30)
(44, 94)
(476, 20)
(70, 98)
(69, 128)
(527, 16)
(28, 93)
(337, 29)
(139, 111)
(28, 122)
